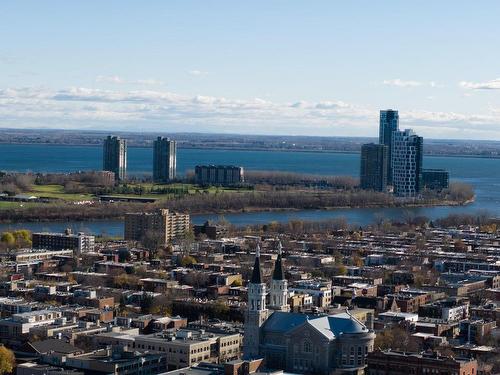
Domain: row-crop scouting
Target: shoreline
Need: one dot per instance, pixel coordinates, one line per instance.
(262, 149)
(263, 209)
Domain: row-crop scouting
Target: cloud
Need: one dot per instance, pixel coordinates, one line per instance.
(197, 72)
(119, 80)
(109, 79)
(490, 85)
(151, 110)
(401, 83)
(407, 83)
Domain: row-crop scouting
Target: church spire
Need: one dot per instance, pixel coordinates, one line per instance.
(256, 274)
(278, 273)
(279, 285)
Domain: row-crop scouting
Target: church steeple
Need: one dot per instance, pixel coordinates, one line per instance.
(256, 273)
(278, 273)
(257, 312)
(279, 285)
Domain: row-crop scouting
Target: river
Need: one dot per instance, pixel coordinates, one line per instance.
(483, 174)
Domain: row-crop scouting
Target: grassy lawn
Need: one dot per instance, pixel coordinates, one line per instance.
(5, 205)
(57, 191)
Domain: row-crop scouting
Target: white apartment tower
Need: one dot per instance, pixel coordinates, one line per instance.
(406, 163)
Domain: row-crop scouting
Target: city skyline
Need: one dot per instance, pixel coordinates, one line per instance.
(280, 69)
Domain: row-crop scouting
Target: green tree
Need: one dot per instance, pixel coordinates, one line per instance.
(236, 283)
(23, 235)
(8, 238)
(7, 360)
(188, 260)
(341, 270)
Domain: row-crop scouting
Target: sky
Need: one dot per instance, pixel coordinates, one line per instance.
(257, 67)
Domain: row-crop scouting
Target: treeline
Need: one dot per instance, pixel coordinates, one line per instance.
(299, 179)
(15, 183)
(481, 218)
(91, 178)
(65, 211)
(228, 201)
(234, 202)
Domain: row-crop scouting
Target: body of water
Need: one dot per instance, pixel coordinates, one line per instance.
(483, 174)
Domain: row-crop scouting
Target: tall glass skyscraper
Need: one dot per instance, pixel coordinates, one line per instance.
(389, 123)
(114, 157)
(164, 160)
(373, 173)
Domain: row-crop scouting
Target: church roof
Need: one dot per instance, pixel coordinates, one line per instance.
(281, 321)
(329, 326)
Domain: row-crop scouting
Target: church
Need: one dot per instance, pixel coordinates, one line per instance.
(300, 343)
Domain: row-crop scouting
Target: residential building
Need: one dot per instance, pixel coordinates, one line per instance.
(32, 255)
(182, 348)
(407, 156)
(118, 361)
(374, 167)
(320, 290)
(219, 175)
(435, 179)
(15, 329)
(396, 363)
(208, 229)
(79, 242)
(164, 160)
(115, 157)
(389, 123)
(162, 223)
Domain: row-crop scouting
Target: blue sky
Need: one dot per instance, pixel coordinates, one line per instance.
(262, 67)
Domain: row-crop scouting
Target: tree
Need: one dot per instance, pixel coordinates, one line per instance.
(396, 339)
(236, 283)
(187, 260)
(341, 270)
(357, 260)
(147, 303)
(8, 238)
(153, 240)
(7, 360)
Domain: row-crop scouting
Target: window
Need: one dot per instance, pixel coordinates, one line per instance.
(307, 346)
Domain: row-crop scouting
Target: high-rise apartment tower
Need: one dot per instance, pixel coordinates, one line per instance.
(374, 167)
(164, 160)
(407, 156)
(389, 123)
(114, 158)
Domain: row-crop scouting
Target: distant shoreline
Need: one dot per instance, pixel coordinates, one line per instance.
(265, 149)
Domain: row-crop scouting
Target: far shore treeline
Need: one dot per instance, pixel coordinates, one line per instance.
(262, 191)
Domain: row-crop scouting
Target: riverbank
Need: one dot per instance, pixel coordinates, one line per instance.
(116, 211)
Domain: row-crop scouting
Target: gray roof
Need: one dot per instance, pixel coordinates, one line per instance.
(329, 326)
(54, 345)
